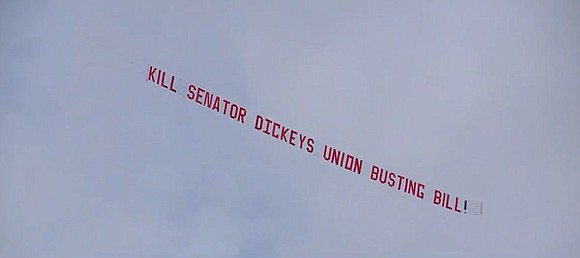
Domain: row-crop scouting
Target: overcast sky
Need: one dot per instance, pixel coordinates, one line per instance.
(481, 100)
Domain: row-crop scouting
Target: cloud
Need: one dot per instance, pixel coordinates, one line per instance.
(479, 101)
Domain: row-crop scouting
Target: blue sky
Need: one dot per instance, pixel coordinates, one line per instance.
(477, 99)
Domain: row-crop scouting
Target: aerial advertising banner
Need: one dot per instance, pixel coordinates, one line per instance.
(295, 138)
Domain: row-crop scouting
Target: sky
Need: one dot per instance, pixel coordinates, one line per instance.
(478, 99)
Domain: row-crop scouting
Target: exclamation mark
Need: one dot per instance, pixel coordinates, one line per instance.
(465, 206)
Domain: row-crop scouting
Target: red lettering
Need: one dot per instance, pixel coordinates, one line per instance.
(410, 186)
(302, 138)
(335, 156)
(226, 104)
(267, 129)
(163, 81)
(349, 161)
(420, 192)
(375, 173)
(152, 71)
(259, 120)
(383, 176)
(200, 91)
(325, 154)
(292, 137)
(446, 199)
(310, 147)
(456, 203)
(242, 115)
(158, 75)
(357, 165)
(400, 181)
(234, 111)
(391, 181)
(276, 125)
(437, 197)
(208, 99)
(191, 93)
(216, 104)
(171, 85)
(284, 132)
